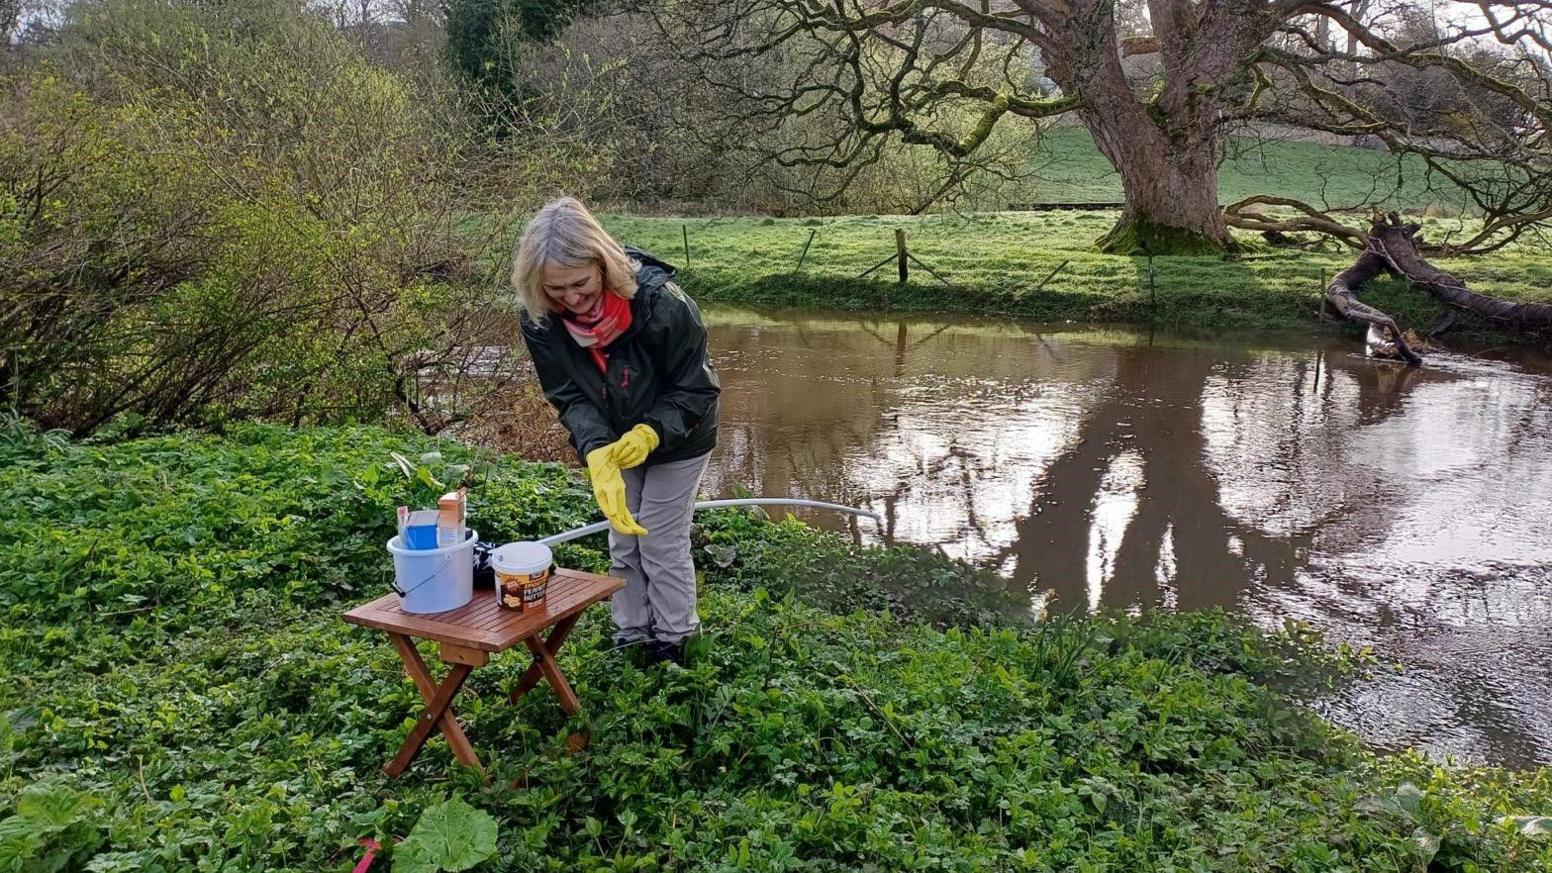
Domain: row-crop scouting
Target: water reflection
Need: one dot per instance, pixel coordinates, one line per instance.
(1400, 508)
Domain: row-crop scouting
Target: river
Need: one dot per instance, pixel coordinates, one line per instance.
(1280, 477)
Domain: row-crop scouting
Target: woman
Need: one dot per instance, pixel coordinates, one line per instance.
(621, 355)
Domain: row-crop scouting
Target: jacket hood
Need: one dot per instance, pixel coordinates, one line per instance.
(653, 270)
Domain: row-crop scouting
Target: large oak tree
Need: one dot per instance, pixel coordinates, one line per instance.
(1158, 88)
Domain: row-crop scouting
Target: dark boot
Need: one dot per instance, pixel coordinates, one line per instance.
(629, 651)
(659, 651)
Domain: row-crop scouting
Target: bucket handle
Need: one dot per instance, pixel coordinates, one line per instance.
(434, 573)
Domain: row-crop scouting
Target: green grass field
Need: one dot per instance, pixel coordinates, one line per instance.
(995, 263)
(1044, 265)
(1069, 168)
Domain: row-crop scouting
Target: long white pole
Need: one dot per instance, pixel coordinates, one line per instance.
(600, 526)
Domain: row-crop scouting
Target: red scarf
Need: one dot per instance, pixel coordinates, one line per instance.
(598, 327)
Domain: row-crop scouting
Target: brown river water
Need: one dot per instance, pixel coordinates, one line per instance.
(1278, 477)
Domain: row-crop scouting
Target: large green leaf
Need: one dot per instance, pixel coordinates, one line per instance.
(449, 836)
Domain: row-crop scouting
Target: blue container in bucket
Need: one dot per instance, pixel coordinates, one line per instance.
(420, 530)
(434, 580)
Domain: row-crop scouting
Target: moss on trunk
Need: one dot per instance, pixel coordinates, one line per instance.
(1136, 236)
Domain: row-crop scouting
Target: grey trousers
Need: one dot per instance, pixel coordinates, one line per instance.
(658, 601)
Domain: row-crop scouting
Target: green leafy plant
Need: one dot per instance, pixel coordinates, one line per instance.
(53, 829)
(745, 548)
(448, 836)
(174, 672)
(1538, 826)
(430, 476)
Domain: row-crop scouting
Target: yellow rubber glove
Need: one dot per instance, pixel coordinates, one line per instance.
(609, 491)
(630, 450)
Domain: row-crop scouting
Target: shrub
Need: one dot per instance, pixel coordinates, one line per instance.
(220, 212)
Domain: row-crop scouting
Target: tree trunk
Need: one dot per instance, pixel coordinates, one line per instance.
(1171, 202)
(1168, 161)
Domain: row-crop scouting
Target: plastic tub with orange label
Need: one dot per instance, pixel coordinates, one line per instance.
(522, 575)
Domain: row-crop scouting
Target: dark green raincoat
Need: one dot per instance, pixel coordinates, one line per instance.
(658, 373)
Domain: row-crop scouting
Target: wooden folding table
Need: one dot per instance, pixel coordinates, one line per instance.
(468, 636)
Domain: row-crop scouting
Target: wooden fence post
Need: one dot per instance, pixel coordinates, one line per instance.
(905, 272)
(1049, 276)
(806, 244)
(686, 232)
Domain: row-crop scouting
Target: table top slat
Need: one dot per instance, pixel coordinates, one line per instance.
(485, 621)
(482, 624)
(493, 619)
(462, 615)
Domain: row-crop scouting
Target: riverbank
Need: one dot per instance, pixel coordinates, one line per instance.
(1039, 266)
(177, 691)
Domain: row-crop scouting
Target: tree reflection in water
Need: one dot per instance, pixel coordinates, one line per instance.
(1402, 508)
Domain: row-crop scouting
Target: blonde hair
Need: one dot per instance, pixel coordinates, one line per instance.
(565, 233)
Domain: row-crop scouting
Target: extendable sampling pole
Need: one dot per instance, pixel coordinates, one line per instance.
(598, 527)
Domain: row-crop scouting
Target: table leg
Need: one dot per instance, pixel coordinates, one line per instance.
(545, 660)
(438, 713)
(557, 637)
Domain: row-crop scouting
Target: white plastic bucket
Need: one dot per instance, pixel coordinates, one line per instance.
(522, 574)
(434, 580)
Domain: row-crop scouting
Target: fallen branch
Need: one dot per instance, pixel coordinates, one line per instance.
(1241, 215)
(1342, 295)
(1398, 244)
(1497, 230)
(1393, 247)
